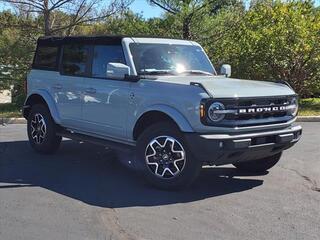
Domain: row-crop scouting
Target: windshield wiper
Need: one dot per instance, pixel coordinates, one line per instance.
(156, 72)
(171, 72)
(197, 72)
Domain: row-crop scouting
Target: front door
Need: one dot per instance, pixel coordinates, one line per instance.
(105, 101)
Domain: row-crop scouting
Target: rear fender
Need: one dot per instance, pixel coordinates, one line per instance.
(48, 100)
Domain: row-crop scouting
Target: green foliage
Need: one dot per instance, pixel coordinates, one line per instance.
(17, 43)
(309, 107)
(125, 24)
(276, 40)
(8, 110)
(190, 14)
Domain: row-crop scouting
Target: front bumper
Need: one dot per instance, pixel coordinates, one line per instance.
(219, 149)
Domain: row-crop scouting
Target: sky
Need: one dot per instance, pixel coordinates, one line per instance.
(147, 10)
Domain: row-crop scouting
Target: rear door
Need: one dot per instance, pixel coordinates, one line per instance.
(68, 91)
(105, 101)
(45, 74)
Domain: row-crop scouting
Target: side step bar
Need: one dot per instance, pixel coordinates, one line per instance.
(99, 141)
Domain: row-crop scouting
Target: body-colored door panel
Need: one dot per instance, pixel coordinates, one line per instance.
(105, 105)
(68, 93)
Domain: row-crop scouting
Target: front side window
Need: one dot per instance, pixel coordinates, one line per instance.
(46, 57)
(75, 59)
(169, 58)
(103, 55)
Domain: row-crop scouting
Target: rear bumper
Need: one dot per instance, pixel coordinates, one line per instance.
(219, 149)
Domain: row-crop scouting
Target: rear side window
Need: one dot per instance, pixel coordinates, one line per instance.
(46, 58)
(75, 60)
(104, 54)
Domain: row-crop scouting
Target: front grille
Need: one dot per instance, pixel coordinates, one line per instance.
(237, 119)
(255, 116)
(263, 101)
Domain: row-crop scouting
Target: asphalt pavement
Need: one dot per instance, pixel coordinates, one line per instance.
(82, 192)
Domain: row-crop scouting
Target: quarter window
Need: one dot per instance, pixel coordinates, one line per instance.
(46, 57)
(75, 59)
(104, 54)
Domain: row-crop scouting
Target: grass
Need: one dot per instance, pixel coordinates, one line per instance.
(307, 107)
(9, 110)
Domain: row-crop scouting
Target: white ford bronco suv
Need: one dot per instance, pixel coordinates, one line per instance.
(160, 99)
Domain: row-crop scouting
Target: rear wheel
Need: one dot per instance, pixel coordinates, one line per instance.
(166, 161)
(42, 130)
(259, 165)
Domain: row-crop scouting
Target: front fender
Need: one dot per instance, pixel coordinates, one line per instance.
(177, 116)
(47, 98)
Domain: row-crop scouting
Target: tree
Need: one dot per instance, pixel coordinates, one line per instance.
(33, 18)
(126, 23)
(129, 23)
(191, 11)
(71, 13)
(275, 40)
(16, 52)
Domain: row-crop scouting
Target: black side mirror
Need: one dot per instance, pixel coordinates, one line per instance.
(132, 78)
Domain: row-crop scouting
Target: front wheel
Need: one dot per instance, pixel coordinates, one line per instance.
(166, 161)
(259, 165)
(42, 130)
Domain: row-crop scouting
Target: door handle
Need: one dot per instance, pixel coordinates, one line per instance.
(57, 86)
(91, 90)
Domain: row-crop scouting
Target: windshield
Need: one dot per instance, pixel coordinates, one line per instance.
(170, 59)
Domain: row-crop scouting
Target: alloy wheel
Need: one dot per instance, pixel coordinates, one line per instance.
(165, 157)
(38, 128)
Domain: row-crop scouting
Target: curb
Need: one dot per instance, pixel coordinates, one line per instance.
(308, 119)
(24, 121)
(4, 121)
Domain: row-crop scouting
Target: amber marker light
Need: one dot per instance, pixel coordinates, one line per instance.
(202, 112)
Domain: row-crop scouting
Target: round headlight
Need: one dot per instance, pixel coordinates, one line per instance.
(215, 112)
(293, 106)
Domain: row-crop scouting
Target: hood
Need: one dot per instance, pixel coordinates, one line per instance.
(222, 87)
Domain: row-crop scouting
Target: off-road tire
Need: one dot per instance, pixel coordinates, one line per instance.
(190, 167)
(46, 142)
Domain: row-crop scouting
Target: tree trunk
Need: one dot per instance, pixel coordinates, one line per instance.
(186, 34)
(46, 16)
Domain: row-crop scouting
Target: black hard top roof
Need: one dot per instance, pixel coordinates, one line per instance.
(103, 39)
(80, 39)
